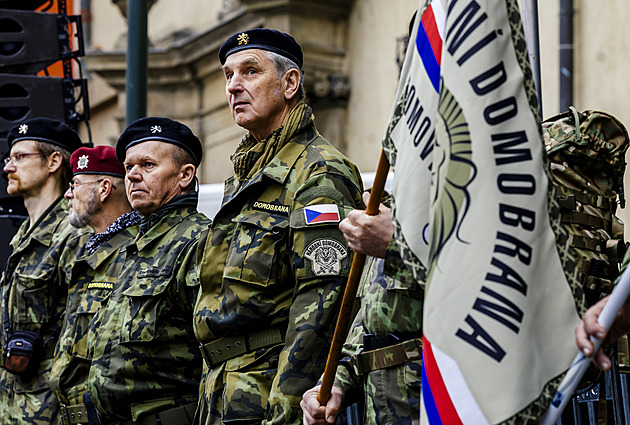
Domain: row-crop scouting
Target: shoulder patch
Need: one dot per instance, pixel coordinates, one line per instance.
(325, 256)
(271, 208)
(321, 213)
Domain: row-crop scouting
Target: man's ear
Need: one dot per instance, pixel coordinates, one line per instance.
(186, 176)
(105, 189)
(292, 79)
(55, 162)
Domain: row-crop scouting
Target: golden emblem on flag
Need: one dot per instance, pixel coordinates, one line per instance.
(243, 38)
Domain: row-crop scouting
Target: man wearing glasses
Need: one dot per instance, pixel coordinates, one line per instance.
(33, 291)
(97, 199)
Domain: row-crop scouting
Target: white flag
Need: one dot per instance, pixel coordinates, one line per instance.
(499, 311)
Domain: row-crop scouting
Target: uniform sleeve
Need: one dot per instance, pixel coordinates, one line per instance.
(320, 264)
(73, 242)
(346, 378)
(394, 266)
(188, 275)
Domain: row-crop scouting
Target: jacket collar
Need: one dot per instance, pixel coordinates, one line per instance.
(44, 228)
(278, 168)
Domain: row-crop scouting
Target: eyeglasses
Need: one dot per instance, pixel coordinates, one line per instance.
(73, 185)
(18, 157)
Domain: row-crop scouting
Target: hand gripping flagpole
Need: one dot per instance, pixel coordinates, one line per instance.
(358, 261)
(580, 362)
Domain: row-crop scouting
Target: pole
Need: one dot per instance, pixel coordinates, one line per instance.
(137, 59)
(566, 54)
(580, 363)
(358, 261)
(530, 27)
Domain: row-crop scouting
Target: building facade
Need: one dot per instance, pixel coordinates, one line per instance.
(351, 53)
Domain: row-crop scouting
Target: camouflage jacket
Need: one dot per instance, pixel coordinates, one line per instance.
(145, 355)
(388, 305)
(93, 278)
(265, 267)
(34, 290)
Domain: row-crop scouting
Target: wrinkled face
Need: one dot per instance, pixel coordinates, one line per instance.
(83, 199)
(28, 172)
(152, 178)
(254, 92)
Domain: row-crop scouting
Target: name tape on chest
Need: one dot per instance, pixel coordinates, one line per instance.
(101, 285)
(325, 256)
(321, 213)
(271, 208)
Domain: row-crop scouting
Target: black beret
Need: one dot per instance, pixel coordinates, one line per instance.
(265, 39)
(45, 130)
(162, 130)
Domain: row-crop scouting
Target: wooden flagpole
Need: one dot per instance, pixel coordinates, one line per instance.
(358, 262)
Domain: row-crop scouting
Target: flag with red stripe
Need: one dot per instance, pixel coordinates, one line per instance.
(410, 135)
(429, 41)
(499, 311)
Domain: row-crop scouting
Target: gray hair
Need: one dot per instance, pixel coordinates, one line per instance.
(180, 158)
(283, 64)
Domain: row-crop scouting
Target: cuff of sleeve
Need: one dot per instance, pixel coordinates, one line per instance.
(345, 378)
(394, 266)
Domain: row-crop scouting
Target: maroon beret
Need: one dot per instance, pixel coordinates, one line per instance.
(96, 160)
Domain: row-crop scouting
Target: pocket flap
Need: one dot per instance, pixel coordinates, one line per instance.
(147, 286)
(263, 220)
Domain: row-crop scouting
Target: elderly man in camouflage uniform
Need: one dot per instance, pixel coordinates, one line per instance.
(274, 264)
(97, 199)
(146, 363)
(34, 281)
(382, 355)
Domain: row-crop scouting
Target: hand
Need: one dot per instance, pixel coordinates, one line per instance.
(368, 234)
(316, 414)
(590, 327)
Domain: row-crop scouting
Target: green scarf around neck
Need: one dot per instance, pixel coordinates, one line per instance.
(251, 155)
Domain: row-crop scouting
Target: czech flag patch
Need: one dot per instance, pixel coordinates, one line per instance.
(321, 213)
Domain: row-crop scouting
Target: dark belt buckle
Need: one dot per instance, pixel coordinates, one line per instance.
(368, 342)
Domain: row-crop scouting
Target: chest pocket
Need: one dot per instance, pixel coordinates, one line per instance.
(144, 303)
(32, 297)
(256, 249)
(91, 301)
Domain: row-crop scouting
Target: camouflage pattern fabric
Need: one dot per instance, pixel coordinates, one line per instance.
(92, 280)
(35, 284)
(264, 267)
(145, 355)
(391, 395)
(587, 154)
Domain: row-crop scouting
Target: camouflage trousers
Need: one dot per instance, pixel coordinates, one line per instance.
(27, 403)
(237, 390)
(392, 395)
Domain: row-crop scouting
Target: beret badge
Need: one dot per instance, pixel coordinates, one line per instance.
(156, 129)
(82, 163)
(23, 129)
(243, 38)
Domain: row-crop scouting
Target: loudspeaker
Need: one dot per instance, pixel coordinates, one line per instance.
(9, 225)
(29, 41)
(22, 4)
(25, 96)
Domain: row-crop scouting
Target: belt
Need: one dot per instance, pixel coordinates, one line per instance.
(373, 342)
(381, 358)
(223, 349)
(180, 415)
(73, 414)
